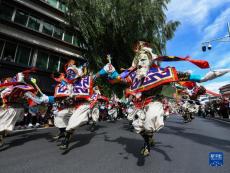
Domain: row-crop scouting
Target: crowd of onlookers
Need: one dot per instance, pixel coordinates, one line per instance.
(33, 118)
(219, 108)
(36, 116)
(43, 117)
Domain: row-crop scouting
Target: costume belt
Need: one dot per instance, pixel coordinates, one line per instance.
(140, 104)
(69, 103)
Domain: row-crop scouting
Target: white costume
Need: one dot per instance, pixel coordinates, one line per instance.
(9, 116)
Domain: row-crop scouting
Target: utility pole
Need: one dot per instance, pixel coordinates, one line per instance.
(207, 44)
(228, 29)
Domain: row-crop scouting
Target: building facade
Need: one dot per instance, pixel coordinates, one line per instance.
(35, 33)
(225, 90)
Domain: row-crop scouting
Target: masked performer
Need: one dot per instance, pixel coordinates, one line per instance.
(64, 100)
(146, 80)
(76, 100)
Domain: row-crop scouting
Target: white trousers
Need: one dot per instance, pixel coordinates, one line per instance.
(8, 118)
(61, 119)
(82, 115)
(150, 119)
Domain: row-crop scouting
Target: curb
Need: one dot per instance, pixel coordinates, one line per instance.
(29, 130)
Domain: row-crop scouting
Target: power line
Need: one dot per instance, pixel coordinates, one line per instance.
(207, 44)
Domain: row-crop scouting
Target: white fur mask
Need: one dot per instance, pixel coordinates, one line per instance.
(143, 65)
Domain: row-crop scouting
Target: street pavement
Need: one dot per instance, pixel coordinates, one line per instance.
(112, 148)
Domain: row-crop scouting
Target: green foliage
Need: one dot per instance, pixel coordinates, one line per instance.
(112, 26)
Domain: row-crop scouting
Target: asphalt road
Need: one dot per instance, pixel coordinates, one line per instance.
(180, 148)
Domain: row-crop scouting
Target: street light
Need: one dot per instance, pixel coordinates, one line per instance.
(204, 48)
(207, 44)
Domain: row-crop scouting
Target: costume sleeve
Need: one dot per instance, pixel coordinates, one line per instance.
(185, 76)
(43, 99)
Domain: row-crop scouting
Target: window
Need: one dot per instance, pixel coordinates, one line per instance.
(6, 12)
(58, 33)
(23, 55)
(62, 6)
(21, 18)
(1, 47)
(53, 3)
(53, 63)
(9, 52)
(42, 60)
(62, 63)
(47, 28)
(68, 37)
(76, 42)
(34, 23)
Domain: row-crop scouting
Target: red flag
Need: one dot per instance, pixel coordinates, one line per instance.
(199, 63)
(188, 84)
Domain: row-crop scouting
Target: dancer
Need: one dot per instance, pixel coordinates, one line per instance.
(15, 94)
(146, 80)
(76, 101)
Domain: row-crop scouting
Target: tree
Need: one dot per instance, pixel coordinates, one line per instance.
(112, 26)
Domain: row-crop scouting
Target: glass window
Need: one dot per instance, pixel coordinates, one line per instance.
(34, 23)
(52, 3)
(47, 28)
(6, 12)
(58, 33)
(9, 52)
(76, 42)
(23, 55)
(1, 47)
(31, 57)
(21, 17)
(62, 6)
(63, 61)
(68, 37)
(42, 60)
(53, 63)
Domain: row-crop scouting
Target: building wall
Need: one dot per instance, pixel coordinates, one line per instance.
(34, 33)
(225, 90)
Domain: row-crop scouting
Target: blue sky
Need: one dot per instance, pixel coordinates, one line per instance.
(201, 20)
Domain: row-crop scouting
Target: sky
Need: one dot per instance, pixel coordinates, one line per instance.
(201, 20)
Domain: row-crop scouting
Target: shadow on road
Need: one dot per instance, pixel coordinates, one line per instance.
(23, 139)
(198, 138)
(133, 146)
(82, 140)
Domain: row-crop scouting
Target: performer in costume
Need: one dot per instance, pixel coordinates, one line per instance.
(146, 80)
(63, 96)
(76, 101)
(15, 92)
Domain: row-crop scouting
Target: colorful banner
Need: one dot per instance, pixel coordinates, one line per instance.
(81, 88)
(154, 78)
(62, 90)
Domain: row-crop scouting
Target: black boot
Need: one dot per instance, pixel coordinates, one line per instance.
(1, 141)
(93, 127)
(151, 141)
(65, 142)
(185, 119)
(145, 150)
(60, 135)
(2, 134)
